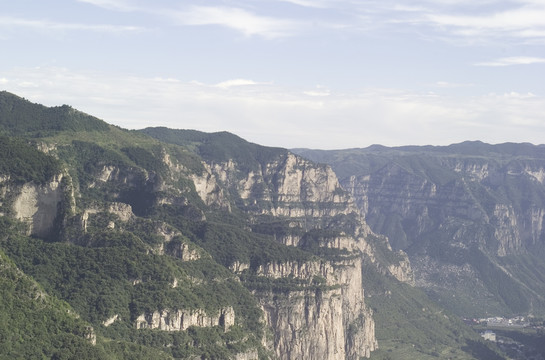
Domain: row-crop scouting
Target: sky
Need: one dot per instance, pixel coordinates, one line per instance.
(323, 74)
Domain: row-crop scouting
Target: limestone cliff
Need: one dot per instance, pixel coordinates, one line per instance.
(322, 316)
(179, 320)
(38, 206)
(287, 187)
(329, 321)
(477, 193)
(453, 209)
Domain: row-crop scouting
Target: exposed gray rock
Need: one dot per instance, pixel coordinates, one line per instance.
(178, 320)
(39, 205)
(331, 322)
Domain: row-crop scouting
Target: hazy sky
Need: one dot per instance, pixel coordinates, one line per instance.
(291, 73)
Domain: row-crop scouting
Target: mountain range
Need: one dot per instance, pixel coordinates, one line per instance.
(469, 216)
(179, 244)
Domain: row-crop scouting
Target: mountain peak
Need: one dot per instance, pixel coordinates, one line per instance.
(20, 117)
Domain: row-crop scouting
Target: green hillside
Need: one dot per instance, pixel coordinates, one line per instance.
(410, 326)
(24, 163)
(103, 272)
(221, 146)
(35, 324)
(20, 118)
(139, 231)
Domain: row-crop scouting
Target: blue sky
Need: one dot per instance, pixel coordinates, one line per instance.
(291, 73)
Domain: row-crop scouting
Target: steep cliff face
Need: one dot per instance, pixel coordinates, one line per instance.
(324, 320)
(315, 307)
(286, 187)
(405, 205)
(209, 190)
(38, 206)
(179, 320)
(453, 209)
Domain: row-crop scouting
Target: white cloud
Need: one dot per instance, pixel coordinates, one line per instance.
(249, 19)
(319, 91)
(316, 93)
(517, 95)
(516, 19)
(321, 4)
(52, 25)
(462, 21)
(236, 82)
(515, 60)
(450, 85)
(525, 21)
(119, 5)
(465, 20)
(279, 116)
(238, 19)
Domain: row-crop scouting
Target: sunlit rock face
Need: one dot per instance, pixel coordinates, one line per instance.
(179, 320)
(331, 321)
(38, 205)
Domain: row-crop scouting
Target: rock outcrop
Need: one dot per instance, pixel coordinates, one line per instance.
(328, 322)
(402, 270)
(179, 320)
(405, 205)
(38, 205)
(325, 321)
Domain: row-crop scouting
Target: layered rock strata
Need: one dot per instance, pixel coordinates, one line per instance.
(330, 321)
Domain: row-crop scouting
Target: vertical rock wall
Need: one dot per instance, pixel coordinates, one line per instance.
(326, 322)
(39, 205)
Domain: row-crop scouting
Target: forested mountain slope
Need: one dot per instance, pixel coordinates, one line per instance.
(179, 244)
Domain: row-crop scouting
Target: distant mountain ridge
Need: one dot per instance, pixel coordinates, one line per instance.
(466, 148)
(469, 215)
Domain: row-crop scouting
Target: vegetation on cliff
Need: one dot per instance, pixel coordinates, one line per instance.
(411, 326)
(145, 228)
(23, 163)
